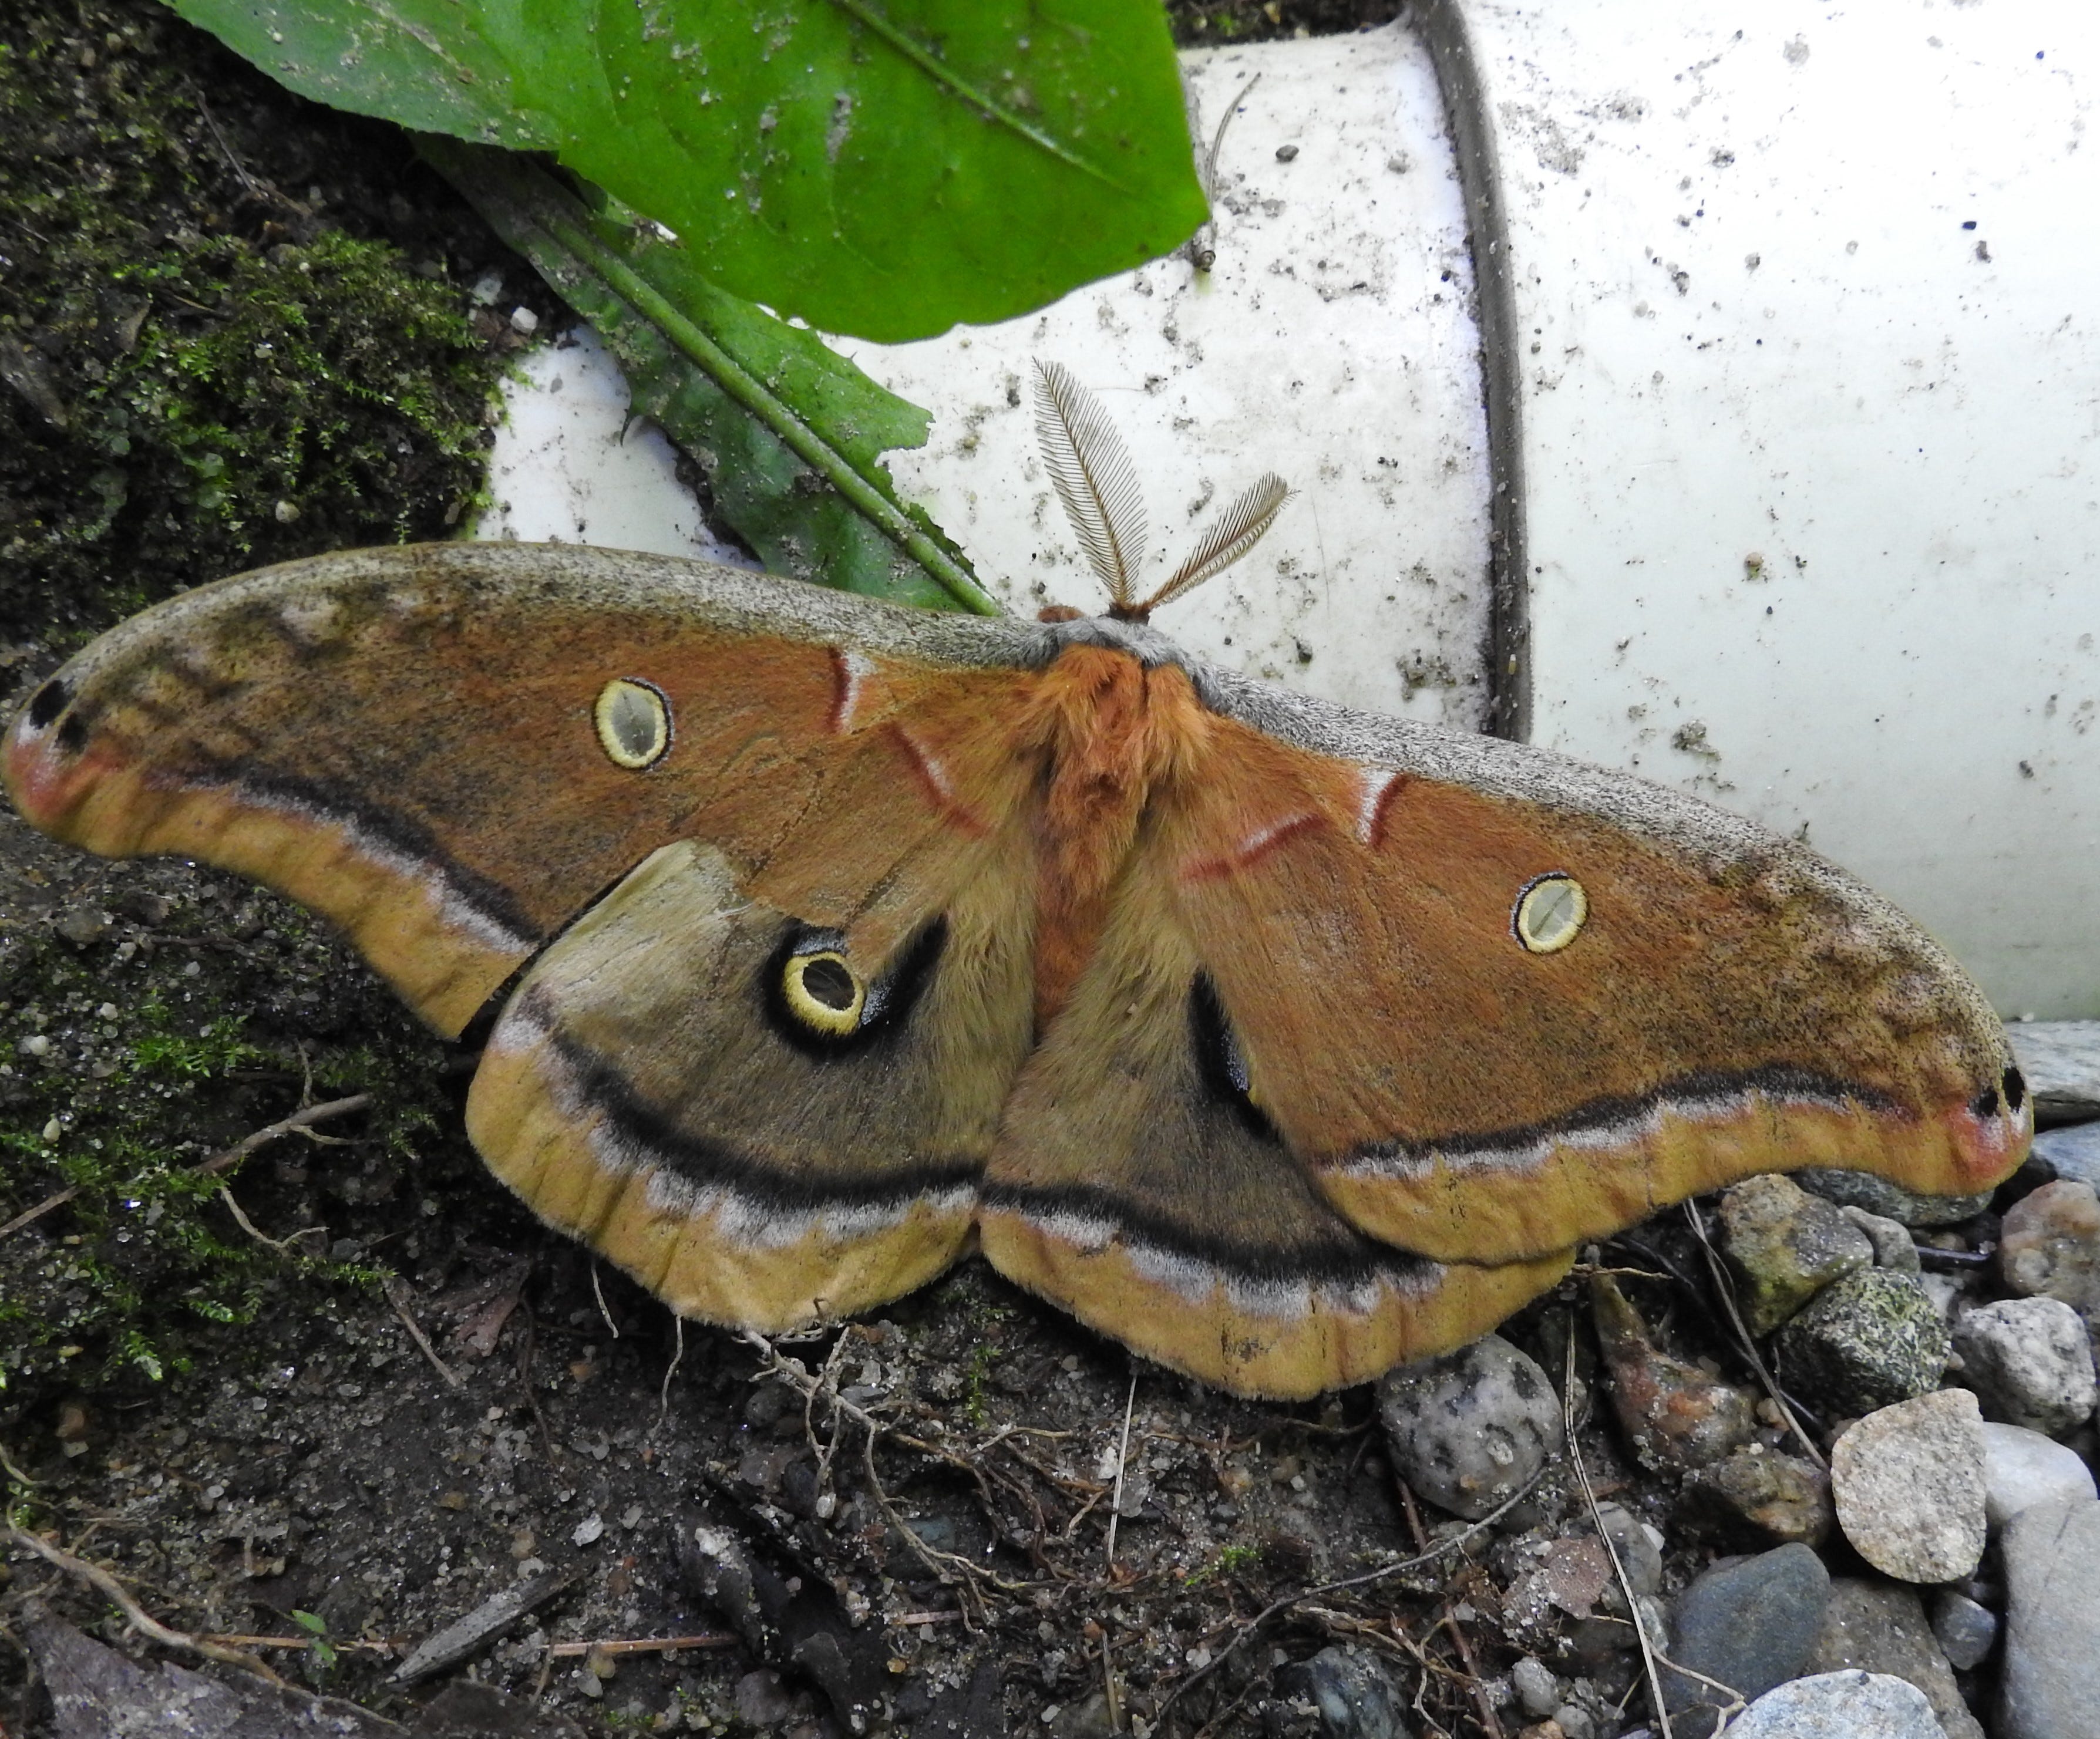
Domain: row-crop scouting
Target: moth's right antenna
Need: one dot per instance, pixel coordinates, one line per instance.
(1232, 537)
(1090, 467)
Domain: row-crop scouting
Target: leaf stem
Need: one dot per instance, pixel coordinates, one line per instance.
(553, 213)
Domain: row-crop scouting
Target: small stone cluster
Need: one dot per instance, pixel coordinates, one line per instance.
(1916, 1480)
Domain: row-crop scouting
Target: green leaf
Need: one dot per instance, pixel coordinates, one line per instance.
(790, 433)
(880, 167)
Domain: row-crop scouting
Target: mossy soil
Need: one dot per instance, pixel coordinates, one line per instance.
(234, 329)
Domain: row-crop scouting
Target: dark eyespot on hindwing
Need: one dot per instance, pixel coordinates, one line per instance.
(818, 1000)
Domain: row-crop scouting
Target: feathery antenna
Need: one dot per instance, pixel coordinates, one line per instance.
(1091, 470)
(1242, 528)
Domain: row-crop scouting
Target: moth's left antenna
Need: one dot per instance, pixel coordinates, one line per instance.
(1090, 467)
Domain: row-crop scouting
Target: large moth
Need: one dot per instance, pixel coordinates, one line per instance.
(1279, 1041)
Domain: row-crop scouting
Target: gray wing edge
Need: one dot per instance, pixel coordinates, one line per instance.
(679, 588)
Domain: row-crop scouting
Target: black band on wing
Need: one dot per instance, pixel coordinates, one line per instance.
(1341, 1257)
(387, 830)
(1702, 1093)
(645, 1135)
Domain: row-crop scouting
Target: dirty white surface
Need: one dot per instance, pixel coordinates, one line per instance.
(1812, 434)
(1333, 341)
(569, 465)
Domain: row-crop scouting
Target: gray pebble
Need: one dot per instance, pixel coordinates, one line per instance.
(1537, 1689)
(1881, 1627)
(2023, 1468)
(1751, 1625)
(2061, 1060)
(1894, 1246)
(1839, 1706)
(2072, 1153)
(1877, 1195)
(1352, 1694)
(1785, 1246)
(1873, 1339)
(1575, 1722)
(2030, 1363)
(1907, 1481)
(1471, 1428)
(1639, 1552)
(1967, 1632)
(2050, 1686)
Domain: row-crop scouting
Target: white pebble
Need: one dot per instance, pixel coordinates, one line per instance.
(2023, 1468)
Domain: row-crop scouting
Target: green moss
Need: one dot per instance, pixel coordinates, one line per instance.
(202, 371)
(126, 1071)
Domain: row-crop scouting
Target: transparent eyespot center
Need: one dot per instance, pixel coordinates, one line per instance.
(823, 993)
(1550, 912)
(633, 723)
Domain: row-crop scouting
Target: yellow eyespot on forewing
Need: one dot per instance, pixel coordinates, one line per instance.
(1550, 912)
(823, 993)
(634, 722)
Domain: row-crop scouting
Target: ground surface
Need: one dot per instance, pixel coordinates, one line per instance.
(211, 1385)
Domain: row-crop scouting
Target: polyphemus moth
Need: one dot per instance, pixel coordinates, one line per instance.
(1281, 1041)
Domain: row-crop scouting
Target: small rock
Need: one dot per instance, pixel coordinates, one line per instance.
(1355, 1697)
(1881, 1627)
(1894, 1246)
(1780, 1495)
(1469, 1429)
(1839, 1706)
(1907, 1481)
(2030, 1362)
(2023, 1468)
(1751, 1625)
(2072, 1154)
(83, 924)
(1538, 1690)
(762, 1699)
(2051, 1247)
(1873, 1339)
(1086, 1719)
(1877, 1195)
(1677, 1416)
(1966, 1631)
(1785, 1246)
(2061, 1060)
(1574, 1721)
(1639, 1547)
(2050, 1684)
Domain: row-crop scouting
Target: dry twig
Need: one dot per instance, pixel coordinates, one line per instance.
(1611, 1547)
(1248, 1628)
(1749, 1347)
(142, 1621)
(397, 1295)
